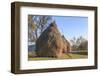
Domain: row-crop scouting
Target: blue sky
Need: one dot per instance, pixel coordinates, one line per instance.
(72, 26)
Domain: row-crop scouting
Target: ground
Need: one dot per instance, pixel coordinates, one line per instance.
(65, 56)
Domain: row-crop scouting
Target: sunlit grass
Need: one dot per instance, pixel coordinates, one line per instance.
(65, 56)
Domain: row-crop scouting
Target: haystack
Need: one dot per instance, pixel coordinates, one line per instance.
(50, 43)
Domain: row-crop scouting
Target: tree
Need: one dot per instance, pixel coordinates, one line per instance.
(37, 24)
(74, 42)
(43, 22)
(31, 28)
(79, 44)
(83, 45)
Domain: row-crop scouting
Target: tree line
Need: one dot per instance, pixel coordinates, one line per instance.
(79, 43)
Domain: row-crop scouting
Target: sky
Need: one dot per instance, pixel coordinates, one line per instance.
(71, 26)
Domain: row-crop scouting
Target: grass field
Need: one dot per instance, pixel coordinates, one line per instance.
(65, 56)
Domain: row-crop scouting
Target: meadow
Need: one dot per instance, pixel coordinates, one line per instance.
(79, 55)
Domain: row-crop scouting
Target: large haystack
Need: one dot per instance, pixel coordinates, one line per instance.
(50, 43)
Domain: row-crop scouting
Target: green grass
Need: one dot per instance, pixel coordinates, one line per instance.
(75, 56)
(42, 58)
(65, 56)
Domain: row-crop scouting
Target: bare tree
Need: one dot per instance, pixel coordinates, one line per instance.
(83, 45)
(38, 24)
(31, 28)
(79, 43)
